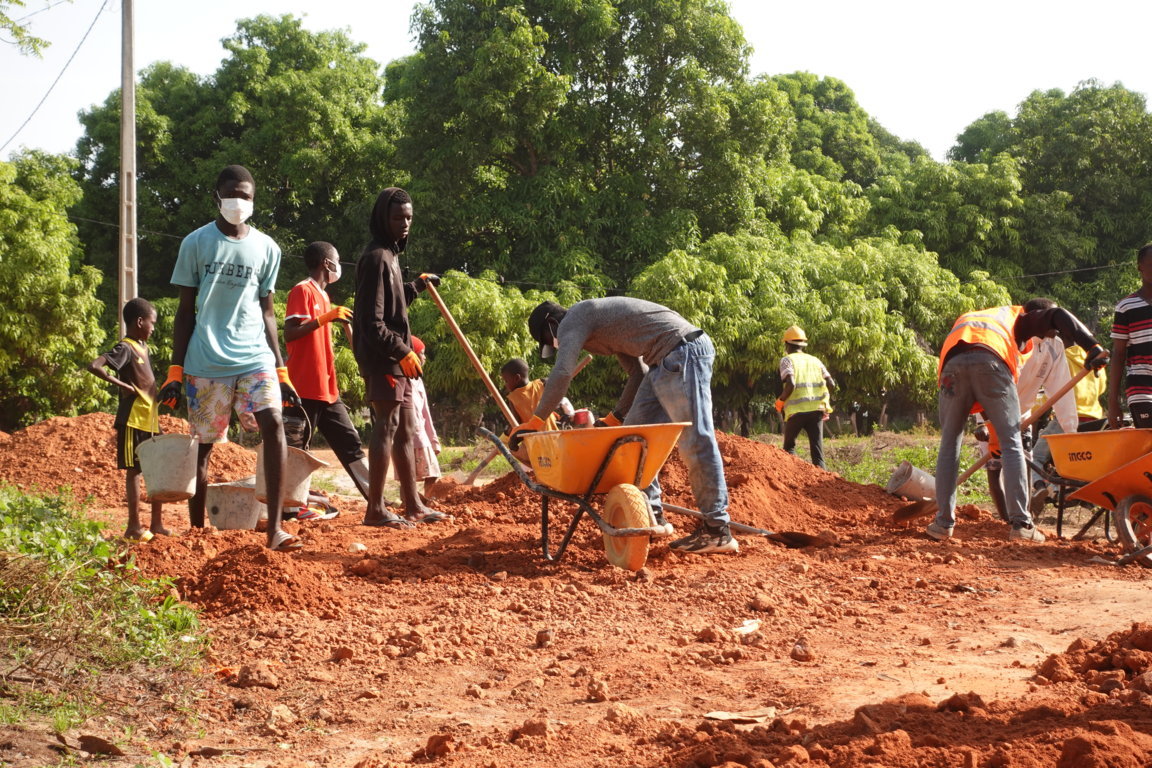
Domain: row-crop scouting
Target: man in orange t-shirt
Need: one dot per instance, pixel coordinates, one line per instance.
(312, 361)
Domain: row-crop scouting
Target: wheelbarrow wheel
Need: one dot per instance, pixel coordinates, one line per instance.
(1133, 521)
(626, 506)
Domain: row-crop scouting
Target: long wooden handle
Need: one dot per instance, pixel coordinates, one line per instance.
(492, 390)
(1032, 418)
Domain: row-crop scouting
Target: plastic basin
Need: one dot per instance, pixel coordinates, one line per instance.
(298, 468)
(567, 461)
(168, 463)
(1089, 456)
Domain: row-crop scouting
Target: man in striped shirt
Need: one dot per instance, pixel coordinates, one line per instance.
(1132, 350)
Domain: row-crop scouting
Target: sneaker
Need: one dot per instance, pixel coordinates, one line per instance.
(938, 532)
(662, 522)
(1038, 500)
(707, 541)
(1025, 533)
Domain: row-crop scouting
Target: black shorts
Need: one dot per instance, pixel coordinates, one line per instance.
(390, 388)
(127, 440)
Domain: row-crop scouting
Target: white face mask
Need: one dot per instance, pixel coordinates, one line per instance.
(334, 274)
(235, 210)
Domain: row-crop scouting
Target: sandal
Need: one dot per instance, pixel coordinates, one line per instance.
(431, 516)
(282, 541)
(139, 538)
(389, 521)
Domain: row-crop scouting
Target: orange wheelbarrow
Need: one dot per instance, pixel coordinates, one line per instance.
(1117, 467)
(576, 465)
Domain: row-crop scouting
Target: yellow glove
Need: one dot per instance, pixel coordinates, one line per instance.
(534, 424)
(339, 314)
(410, 364)
(779, 405)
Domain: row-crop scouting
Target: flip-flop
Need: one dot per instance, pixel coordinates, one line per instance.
(431, 516)
(140, 538)
(282, 541)
(396, 523)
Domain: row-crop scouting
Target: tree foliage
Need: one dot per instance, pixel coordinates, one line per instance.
(25, 42)
(580, 140)
(50, 326)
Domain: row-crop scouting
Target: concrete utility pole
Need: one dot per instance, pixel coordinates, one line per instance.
(127, 275)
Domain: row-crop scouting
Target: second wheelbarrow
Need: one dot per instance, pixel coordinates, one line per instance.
(1117, 464)
(576, 465)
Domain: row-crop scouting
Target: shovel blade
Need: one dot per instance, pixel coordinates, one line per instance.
(914, 511)
(793, 539)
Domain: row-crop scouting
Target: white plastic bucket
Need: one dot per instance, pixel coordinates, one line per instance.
(298, 467)
(911, 482)
(233, 506)
(169, 466)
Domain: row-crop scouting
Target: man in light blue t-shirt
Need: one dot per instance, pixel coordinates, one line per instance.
(225, 347)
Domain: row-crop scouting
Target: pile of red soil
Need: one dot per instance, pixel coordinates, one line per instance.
(771, 489)
(79, 454)
(1122, 661)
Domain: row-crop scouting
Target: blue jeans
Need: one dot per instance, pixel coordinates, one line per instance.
(970, 377)
(680, 389)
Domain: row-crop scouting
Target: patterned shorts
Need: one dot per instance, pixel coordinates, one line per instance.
(211, 401)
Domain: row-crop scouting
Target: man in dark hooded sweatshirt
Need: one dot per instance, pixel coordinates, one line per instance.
(383, 347)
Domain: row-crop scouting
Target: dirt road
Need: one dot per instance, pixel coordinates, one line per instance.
(456, 644)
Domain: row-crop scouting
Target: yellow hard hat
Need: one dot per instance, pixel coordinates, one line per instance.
(795, 335)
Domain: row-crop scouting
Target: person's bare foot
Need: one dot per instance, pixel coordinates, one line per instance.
(161, 531)
(138, 534)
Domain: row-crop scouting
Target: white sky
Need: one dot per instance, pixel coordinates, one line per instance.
(924, 70)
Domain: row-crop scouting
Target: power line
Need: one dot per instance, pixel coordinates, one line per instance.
(57, 80)
(45, 8)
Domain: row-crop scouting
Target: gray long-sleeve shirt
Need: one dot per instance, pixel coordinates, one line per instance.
(638, 332)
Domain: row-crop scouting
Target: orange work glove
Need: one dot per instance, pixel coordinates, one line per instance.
(779, 405)
(610, 420)
(410, 364)
(287, 391)
(339, 314)
(534, 424)
(173, 388)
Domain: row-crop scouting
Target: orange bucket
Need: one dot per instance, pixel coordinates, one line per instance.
(567, 461)
(1089, 456)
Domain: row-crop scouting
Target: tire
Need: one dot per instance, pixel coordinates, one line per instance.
(626, 506)
(1133, 521)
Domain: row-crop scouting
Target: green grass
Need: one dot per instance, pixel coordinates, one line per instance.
(872, 459)
(73, 607)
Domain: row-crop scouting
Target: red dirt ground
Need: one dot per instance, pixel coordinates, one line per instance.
(457, 644)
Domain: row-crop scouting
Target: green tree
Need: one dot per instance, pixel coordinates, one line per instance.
(577, 141)
(51, 325)
(876, 312)
(301, 110)
(966, 212)
(834, 137)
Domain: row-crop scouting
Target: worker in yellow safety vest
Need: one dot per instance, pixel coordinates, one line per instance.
(805, 399)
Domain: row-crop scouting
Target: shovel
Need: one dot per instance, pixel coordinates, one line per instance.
(791, 539)
(925, 507)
